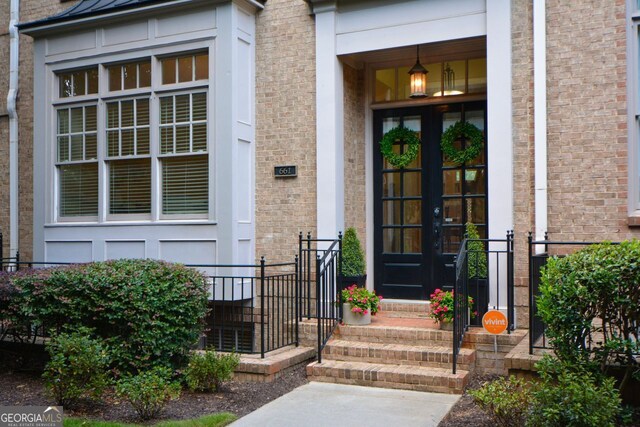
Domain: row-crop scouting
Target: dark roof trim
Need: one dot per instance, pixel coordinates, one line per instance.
(89, 8)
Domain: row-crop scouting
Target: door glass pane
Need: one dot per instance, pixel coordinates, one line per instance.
(413, 212)
(391, 240)
(413, 240)
(451, 238)
(413, 123)
(391, 212)
(474, 181)
(389, 123)
(449, 119)
(391, 184)
(451, 184)
(452, 211)
(387, 165)
(412, 183)
(476, 210)
(476, 118)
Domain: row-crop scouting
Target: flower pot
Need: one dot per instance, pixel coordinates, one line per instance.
(446, 326)
(350, 318)
(346, 281)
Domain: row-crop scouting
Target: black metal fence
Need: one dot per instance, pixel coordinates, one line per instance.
(539, 253)
(484, 270)
(320, 282)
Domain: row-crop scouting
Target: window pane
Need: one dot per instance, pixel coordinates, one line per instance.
(182, 108)
(166, 140)
(77, 150)
(127, 148)
(413, 212)
(391, 184)
(166, 110)
(112, 115)
(474, 181)
(142, 112)
(451, 239)
(391, 241)
(452, 211)
(434, 79)
(182, 139)
(453, 76)
(477, 75)
(113, 143)
(115, 78)
(202, 66)
(451, 182)
(79, 190)
(66, 89)
(63, 121)
(412, 240)
(199, 106)
(200, 137)
(79, 83)
(90, 124)
(185, 185)
(145, 74)
(92, 80)
(477, 210)
(130, 76)
(142, 141)
(126, 113)
(168, 71)
(185, 69)
(90, 147)
(391, 212)
(76, 120)
(63, 148)
(404, 83)
(130, 186)
(385, 85)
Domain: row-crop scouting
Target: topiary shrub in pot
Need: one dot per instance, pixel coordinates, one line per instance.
(353, 262)
(477, 272)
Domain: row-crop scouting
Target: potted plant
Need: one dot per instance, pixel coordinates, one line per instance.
(442, 308)
(353, 263)
(477, 269)
(358, 305)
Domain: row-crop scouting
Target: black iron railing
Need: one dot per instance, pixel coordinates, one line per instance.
(252, 307)
(484, 270)
(539, 253)
(319, 272)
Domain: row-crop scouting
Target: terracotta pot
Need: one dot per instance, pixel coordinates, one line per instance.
(350, 318)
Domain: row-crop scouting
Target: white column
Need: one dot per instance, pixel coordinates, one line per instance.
(500, 135)
(329, 127)
(540, 116)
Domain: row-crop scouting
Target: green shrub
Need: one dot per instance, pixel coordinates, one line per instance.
(594, 293)
(148, 391)
(477, 261)
(507, 401)
(353, 263)
(78, 367)
(148, 313)
(208, 370)
(570, 396)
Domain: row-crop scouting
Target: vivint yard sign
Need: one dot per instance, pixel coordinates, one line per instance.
(494, 322)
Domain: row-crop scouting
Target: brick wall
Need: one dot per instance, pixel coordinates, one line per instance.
(285, 126)
(354, 152)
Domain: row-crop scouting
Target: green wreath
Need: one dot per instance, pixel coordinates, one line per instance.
(405, 135)
(474, 138)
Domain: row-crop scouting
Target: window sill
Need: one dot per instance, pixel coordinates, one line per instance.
(634, 220)
(136, 223)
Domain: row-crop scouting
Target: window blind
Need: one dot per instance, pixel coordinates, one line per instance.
(79, 189)
(130, 186)
(185, 185)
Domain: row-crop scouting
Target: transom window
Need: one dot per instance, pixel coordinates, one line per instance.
(139, 132)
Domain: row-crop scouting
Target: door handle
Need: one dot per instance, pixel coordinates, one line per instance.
(436, 227)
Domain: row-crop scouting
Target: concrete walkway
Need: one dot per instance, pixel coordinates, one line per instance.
(336, 405)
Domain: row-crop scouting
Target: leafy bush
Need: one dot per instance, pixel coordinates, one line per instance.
(78, 367)
(590, 302)
(148, 391)
(208, 370)
(353, 263)
(477, 258)
(570, 396)
(148, 313)
(442, 304)
(507, 401)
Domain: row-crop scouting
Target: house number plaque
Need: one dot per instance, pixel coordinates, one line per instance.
(286, 171)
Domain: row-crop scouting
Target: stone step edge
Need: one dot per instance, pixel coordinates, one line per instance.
(379, 374)
(466, 356)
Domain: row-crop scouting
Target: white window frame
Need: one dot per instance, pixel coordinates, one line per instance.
(154, 92)
(633, 106)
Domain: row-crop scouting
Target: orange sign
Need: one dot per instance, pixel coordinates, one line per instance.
(494, 322)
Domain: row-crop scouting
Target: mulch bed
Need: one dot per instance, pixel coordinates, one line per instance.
(465, 412)
(18, 388)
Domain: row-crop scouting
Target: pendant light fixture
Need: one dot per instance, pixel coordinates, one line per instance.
(418, 78)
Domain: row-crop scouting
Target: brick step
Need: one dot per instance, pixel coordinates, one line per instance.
(405, 306)
(398, 354)
(395, 334)
(405, 377)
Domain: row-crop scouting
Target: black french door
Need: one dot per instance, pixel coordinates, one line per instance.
(420, 211)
